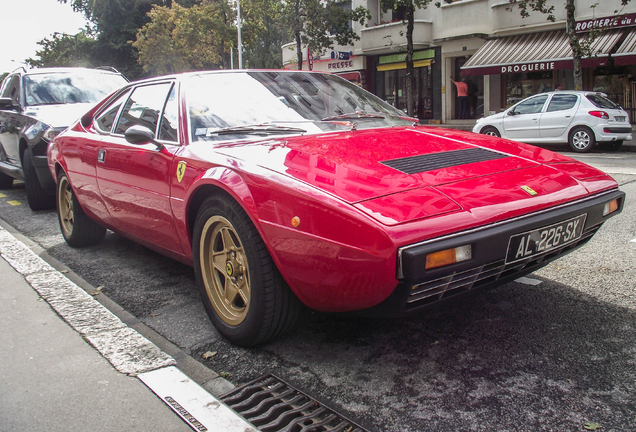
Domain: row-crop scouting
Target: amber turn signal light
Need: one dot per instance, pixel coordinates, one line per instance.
(448, 256)
(610, 207)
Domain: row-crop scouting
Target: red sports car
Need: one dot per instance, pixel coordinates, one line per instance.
(285, 188)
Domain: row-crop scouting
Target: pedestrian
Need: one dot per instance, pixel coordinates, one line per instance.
(558, 87)
(462, 96)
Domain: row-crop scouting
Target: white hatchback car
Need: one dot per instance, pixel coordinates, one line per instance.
(580, 118)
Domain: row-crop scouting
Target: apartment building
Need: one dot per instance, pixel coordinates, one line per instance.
(502, 56)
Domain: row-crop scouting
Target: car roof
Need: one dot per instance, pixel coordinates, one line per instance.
(66, 70)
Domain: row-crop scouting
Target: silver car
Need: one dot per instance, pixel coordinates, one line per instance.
(35, 106)
(580, 118)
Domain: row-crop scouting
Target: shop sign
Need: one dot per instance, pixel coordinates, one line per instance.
(529, 67)
(340, 55)
(348, 64)
(398, 58)
(617, 21)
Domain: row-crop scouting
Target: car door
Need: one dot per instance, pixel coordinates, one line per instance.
(11, 122)
(522, 121)
(558, 115)
(134, 179)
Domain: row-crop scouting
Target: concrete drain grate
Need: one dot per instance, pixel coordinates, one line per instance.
(272, 405)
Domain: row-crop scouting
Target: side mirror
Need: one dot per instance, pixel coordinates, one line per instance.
(511, 113)
(141, 135)
(7, 104)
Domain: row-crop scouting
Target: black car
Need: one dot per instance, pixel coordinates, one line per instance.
(35, 106)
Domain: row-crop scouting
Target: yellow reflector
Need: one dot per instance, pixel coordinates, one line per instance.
(448, 256)
(610, 207)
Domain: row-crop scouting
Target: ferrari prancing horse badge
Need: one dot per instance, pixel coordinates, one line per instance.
(181, 167)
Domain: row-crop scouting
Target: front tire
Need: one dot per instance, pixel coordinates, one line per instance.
(37, 197)
(77, 228)
(243, 292)
(491, 131)
(582, 139)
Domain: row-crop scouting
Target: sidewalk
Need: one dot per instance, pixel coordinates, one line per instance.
(51, 379)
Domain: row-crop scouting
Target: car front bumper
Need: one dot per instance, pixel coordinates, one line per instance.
(490, 265)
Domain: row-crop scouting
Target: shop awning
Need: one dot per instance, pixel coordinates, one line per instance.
(536, 52)
(626, 53)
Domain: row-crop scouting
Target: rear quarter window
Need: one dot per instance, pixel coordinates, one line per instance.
(602, 102)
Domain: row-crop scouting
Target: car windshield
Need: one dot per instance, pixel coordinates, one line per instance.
(70, 87)
(304, 102)
(600, 101)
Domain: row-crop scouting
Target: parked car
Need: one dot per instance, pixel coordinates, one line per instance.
(36, 105)
(291, 188)
(580, 118)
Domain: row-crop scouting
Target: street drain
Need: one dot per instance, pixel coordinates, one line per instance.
(272, 405)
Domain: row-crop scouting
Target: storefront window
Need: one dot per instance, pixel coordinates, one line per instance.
(521, 85)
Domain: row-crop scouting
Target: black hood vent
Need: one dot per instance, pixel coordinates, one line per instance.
(433, 161)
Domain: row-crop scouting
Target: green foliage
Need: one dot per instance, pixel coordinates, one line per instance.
(263, 33)
(66, 50)
(313, 22)
(179, 39)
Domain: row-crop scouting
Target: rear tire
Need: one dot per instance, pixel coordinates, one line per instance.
(77, 228)
(244, 294)
(582, 139)
(37, 197)
(491, 131)
(6, 181)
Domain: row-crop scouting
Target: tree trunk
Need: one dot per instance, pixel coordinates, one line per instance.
(299, 51)
(577, 52)
(410, 72)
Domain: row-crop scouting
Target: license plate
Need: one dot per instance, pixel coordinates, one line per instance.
(543, 240)
(620, 118)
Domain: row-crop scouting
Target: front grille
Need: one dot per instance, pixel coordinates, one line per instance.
(455, 283)
(272, 405)
(433, 161)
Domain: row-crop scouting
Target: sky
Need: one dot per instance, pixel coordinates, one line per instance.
(26, 22)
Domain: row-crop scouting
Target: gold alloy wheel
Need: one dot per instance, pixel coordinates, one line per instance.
(65, 206)
(224, 270)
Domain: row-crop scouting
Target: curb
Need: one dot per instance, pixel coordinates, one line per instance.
(117, 336)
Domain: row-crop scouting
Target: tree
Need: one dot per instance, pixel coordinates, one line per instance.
(179, 39)
(115, 25)
(66, 50)
(318, 23)
(263, 33)
(409, 7)
(581, 45)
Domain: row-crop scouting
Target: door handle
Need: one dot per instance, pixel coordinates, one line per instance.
(101, 155)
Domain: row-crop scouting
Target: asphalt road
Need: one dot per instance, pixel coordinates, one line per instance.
(554, 353)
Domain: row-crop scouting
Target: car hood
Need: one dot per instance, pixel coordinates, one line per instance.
(58, 116)
(421, 170)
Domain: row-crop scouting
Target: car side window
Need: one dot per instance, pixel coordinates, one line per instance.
(105, 120)
(143, 107)
(561, 102)
(11, 88)
(169, 119)
(532, 105)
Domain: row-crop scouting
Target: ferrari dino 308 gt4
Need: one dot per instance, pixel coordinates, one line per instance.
(290, 188)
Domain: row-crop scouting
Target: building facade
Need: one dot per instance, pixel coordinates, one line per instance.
(501, 56)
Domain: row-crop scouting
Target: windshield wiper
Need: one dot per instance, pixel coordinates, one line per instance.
(262, 129)
(354, 115)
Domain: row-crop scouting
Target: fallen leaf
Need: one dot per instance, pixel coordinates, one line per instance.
(592, 426)
(208, 354)
(97, 291)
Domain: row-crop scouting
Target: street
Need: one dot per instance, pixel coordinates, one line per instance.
(554, 351)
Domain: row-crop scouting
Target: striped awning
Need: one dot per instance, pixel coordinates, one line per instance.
(536, 52)
(626, 53)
